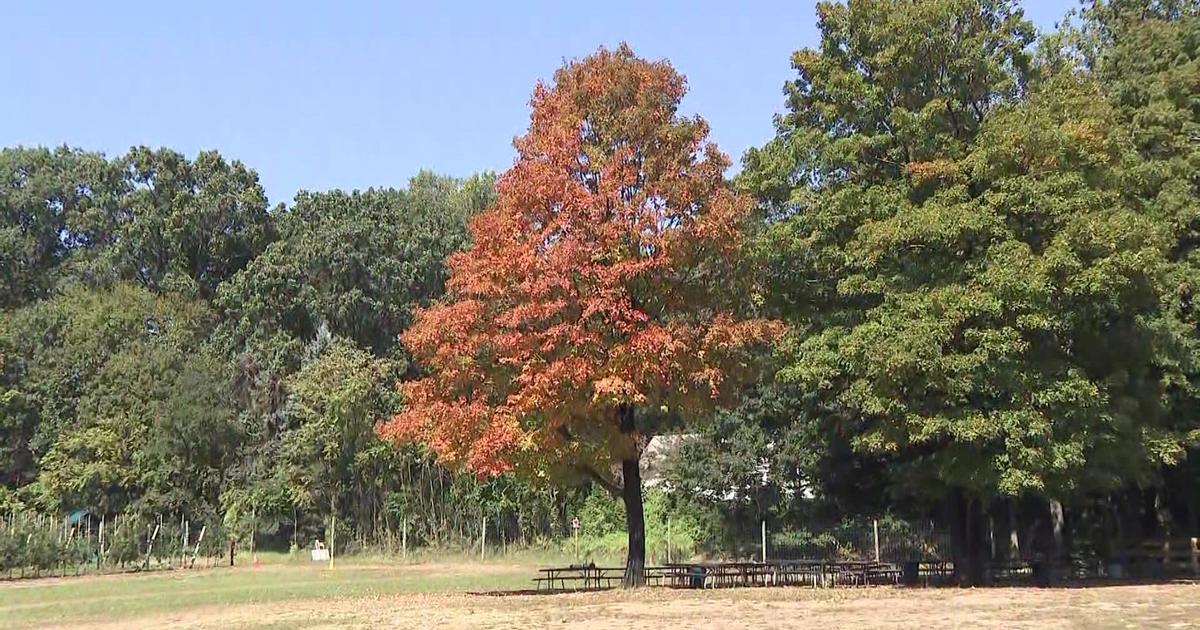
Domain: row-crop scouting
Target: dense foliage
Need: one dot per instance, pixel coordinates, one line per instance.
(170, 346)
(957, 287)
(982, 249)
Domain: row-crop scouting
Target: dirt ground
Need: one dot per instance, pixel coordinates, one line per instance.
(1133, 606)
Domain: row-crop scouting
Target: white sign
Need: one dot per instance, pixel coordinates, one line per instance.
(575, 523)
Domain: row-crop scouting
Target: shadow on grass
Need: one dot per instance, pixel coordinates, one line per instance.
(534, 591)
(1079, 584)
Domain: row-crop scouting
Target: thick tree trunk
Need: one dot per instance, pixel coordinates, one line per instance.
(1119, 550)
(1059, 557)
(1014, 538)
(958, 533)
(635, 561)
(1192, 518)
(965, 538)
(631, 493)
(1056, 524)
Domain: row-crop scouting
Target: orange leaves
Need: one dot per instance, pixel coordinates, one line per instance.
(578, 293)
(933, 170)
(726, 334)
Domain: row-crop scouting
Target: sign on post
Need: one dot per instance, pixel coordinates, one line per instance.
(319, 552)
(575, 533)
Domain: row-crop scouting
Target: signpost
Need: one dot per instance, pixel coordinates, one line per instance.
(575, 533)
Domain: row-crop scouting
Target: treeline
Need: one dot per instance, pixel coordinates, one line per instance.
(983, 241)
(171, 345)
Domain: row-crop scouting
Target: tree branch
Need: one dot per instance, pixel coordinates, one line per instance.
(610, 485)
(605, 482)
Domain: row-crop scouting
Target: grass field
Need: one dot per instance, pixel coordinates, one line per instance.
(366, 593)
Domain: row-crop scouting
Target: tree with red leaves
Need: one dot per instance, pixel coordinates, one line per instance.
(603, 300)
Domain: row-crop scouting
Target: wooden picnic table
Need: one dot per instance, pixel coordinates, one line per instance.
(811, 572)
(800, 572)
(719, 574)
(579, 577)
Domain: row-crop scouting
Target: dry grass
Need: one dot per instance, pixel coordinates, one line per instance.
(432, 595)
(1165, 606)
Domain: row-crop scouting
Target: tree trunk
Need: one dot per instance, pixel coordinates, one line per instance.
(1058, 558)
(965, 538)
(635, 522)
(1190, 490)
(631, 493)
(1014, 538)
(1056, 524)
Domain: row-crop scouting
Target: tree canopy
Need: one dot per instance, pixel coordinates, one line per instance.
(596, 286)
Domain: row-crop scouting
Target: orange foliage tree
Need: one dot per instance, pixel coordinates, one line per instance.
(602, 301)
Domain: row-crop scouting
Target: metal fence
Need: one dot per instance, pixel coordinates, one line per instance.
(883, 540)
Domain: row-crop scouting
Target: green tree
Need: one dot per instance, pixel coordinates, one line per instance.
(890, 84)
(194, 436)
(971, 294)
(42, 194)
(184, 225)
(1146, 56)
(90, 365)
(334, 402)
(356, 263)
(18, 422)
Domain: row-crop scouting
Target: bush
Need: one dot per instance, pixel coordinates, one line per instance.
(10, 546)
(123, 543)
(603, 534)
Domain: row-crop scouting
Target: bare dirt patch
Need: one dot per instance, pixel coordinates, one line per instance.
(1141, 606)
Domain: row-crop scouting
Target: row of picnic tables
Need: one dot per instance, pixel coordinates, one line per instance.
(816, 573)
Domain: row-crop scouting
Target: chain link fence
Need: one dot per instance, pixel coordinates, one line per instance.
(884, 540)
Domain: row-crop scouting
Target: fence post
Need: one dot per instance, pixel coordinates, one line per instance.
(404, 538)
(668, 539)
(196, 551)
(184, 544)
(150, 545)
(875, 526)
(764, 541)
(253, 529)
(483, 539)
(100, 545)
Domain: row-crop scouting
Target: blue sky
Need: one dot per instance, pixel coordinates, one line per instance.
(355, 94)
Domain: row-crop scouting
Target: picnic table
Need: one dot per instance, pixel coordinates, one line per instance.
(579, 577)
(801, 572)
(807, 572)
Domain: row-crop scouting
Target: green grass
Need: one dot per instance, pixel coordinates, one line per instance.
(112, 598)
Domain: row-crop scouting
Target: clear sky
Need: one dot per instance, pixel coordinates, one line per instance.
(352, 94)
